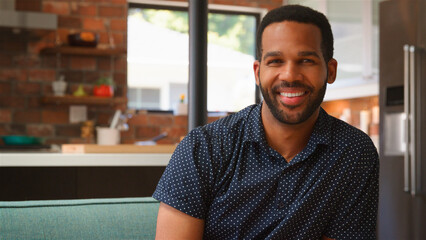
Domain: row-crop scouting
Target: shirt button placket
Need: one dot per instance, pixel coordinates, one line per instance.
(280, 202)
(282, 191)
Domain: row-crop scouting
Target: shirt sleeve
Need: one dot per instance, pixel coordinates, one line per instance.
(187, 180)
(356, 215)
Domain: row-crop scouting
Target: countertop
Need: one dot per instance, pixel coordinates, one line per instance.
(35, 159)
(87, 155)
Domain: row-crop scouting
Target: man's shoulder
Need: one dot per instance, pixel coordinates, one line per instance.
(353, 146)
(348, 135)
(229, 125)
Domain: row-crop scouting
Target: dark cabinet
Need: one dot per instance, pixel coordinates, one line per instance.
(44, 183)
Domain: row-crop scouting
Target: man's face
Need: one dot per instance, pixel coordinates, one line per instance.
(292, 73)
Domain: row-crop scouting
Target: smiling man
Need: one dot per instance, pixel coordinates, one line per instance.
(281, 169)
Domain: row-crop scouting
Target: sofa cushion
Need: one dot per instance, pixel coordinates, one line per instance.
(116, 218)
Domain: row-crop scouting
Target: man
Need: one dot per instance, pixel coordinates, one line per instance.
(282, 169)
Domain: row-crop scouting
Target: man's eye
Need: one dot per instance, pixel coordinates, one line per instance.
(308, 61)
(274, 61)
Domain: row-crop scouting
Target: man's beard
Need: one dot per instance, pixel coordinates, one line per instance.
(285, 117)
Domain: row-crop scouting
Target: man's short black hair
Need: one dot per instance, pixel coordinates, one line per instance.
(301, 14)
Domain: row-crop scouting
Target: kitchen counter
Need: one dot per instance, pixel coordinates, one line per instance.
(31, 159)
(90, 155)
(96, 172)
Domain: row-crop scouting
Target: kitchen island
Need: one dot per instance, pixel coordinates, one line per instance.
(55, 175)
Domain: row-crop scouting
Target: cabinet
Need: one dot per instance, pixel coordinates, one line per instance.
(48, 183)
(356, 46)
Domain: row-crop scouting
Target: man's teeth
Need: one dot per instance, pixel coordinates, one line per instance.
(292, 94)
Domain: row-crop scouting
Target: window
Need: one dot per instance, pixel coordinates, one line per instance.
(356, 45)
(144, 98)
(158, 55)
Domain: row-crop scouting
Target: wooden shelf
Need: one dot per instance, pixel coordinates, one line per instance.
(86, 100)
(87, 51)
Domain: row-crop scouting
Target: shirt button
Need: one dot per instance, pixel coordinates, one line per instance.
(281, 205)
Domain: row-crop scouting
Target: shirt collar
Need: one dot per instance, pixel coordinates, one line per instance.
(322, 129)
(256, 133)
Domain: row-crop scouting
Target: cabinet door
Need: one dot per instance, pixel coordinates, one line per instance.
(37, 183)
(421, 81)
(422, 24)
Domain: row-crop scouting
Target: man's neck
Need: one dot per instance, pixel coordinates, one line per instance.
(287, 139)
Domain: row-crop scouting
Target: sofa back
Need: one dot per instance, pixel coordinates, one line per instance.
(117, 218)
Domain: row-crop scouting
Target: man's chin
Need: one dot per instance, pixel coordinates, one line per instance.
(293, 115)
(292, 108)
(288, 116)
(292, 119)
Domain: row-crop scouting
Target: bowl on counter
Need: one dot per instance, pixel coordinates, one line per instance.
(83, 39)
(22, 140)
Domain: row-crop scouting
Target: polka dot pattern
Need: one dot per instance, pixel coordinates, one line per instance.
(227, 174)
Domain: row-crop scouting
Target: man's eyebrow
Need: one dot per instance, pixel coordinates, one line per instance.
(308, 53)
(300, 54)
(272, 54)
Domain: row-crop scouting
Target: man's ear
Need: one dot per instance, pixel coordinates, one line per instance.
(332, 70)
(256, 69)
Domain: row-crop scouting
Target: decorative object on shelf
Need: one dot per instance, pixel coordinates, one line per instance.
(104, 87)
(181, 107)
(59, 86)
(346, 115)
(365, 120)
(122, 122)
(107, 136)
(152, 141)
(110, 37)
(115, 118)
(83, 39)
(79, 92)
(87, 129)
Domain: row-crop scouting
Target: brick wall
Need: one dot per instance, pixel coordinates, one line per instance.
(26, 75)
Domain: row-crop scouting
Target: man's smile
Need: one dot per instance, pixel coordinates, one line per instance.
(292, 96)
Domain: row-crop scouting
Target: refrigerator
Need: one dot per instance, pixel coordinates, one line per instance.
(402, 97)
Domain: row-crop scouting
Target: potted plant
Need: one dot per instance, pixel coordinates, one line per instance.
(104, 87)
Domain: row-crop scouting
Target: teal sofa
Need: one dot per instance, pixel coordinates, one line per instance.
(115, 218)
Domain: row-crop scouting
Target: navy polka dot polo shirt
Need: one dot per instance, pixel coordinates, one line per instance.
(227, 174)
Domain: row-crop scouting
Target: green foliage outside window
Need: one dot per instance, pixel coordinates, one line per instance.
(232, 31)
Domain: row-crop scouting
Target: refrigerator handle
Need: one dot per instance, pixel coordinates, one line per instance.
(412, 119)
(407, 117)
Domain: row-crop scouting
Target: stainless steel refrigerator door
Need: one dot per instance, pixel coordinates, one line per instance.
(415, 114)
(402, 206)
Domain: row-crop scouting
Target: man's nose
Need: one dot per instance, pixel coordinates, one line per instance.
(290, 72)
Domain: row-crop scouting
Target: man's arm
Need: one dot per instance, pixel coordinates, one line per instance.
(174, 224)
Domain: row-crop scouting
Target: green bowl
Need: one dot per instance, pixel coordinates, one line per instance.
(21, 140)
